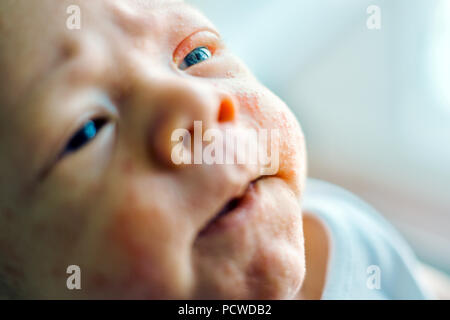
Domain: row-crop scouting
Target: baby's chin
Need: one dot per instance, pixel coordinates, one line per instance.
(257, 252)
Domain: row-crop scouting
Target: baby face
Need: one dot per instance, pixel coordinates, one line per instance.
(86, 118)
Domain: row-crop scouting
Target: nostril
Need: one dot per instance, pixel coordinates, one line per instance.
(170, 139)
(227, 111)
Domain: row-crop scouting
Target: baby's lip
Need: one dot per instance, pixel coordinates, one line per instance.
(229, 206)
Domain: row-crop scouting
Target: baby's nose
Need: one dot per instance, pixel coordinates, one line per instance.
(181, 109)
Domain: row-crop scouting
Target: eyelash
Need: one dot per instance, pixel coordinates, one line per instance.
(85, 135)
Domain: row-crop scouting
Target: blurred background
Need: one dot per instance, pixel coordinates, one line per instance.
(374, 104)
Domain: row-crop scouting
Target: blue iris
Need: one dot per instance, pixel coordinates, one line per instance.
(85, 135)
(197, 55)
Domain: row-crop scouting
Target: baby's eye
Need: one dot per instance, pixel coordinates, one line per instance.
(198, 55)
(85, 135)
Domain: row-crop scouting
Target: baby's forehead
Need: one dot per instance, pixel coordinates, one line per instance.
(31, 31)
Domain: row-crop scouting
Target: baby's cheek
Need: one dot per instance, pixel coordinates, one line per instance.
(281, 275)
(249, 102)
(267, 111)
(292, 150)
(279, 258)
(150, 249)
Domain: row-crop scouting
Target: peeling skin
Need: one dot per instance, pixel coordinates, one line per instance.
(128, 217)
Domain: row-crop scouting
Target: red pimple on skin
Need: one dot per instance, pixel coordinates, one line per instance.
(284, 122)
(248, 101)
(251, 102)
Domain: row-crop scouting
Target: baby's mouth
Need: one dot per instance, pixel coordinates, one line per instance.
(229, 207)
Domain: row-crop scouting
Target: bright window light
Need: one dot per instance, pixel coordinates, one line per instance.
(440, 54)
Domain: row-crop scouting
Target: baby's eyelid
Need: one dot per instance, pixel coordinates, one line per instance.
(204, 38)
(96, 104)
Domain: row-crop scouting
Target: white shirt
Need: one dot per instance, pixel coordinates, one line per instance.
(369, 259)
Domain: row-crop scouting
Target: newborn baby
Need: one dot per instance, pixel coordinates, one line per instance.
(88, 177)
